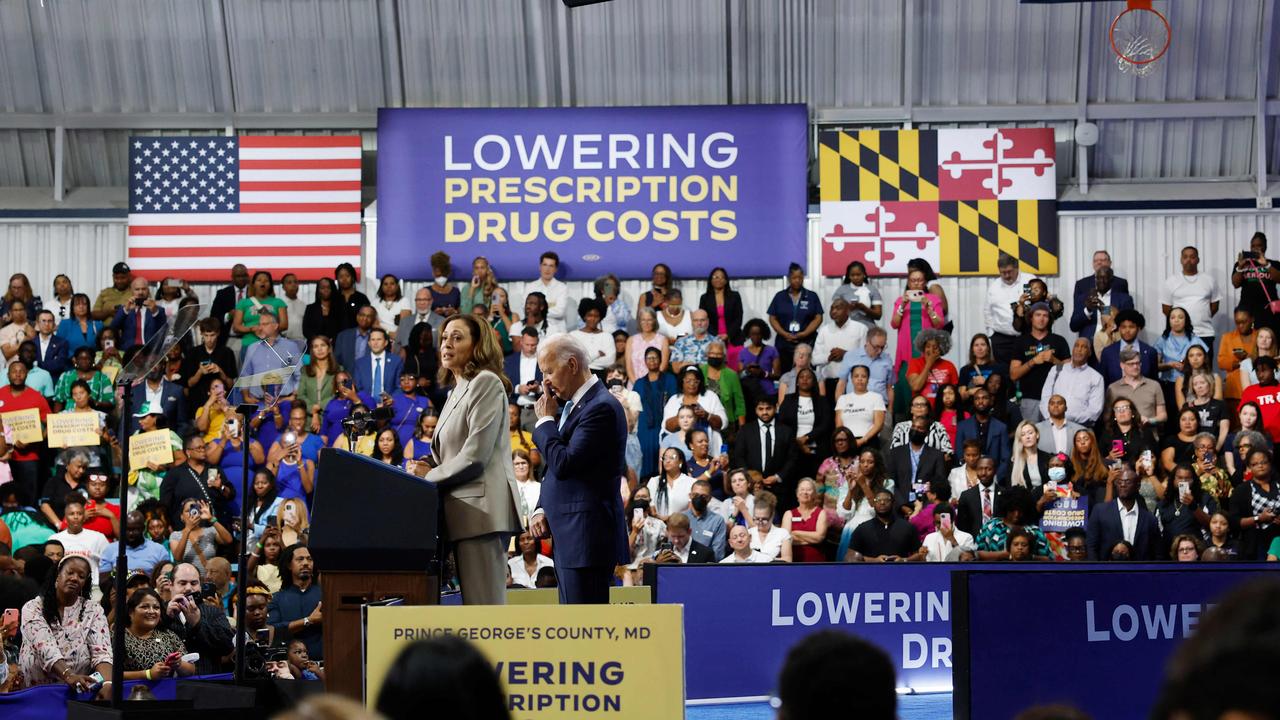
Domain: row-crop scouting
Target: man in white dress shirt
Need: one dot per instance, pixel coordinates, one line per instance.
(837, 338)
(1080, 386)
(740, 544)
(997, 313)
(556, 292)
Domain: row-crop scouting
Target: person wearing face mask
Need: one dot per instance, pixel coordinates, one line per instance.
(446, 298)
(705, 521)
(726, 384)
(913, 465)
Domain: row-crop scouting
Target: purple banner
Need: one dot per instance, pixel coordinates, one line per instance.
(607, 189)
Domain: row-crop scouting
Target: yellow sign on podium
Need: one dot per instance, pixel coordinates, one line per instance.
(555, 662)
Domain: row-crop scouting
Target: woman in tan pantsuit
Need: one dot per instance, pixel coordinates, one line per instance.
(472, 449)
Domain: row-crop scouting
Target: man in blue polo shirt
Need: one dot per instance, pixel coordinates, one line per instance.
(143, 553)
(877, 362)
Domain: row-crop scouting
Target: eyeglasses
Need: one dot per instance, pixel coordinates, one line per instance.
(763, 521)
(881, 346)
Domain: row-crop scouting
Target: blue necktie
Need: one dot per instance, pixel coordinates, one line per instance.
(564, 414)
(377, 376)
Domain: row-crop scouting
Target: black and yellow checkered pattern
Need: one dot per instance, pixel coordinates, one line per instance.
(878, 165)
(973, 233)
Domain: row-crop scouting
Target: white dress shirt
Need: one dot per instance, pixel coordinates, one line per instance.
(849, 337)
(528, 372)
(755, 557)
(1128, 521)
(520, 576)
(1083, 389)
(997, 313)
(557, 304)
(939, 548)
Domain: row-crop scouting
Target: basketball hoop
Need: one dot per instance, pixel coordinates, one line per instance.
(1140, 35)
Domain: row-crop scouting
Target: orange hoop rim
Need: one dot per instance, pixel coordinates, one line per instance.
(1146, 7)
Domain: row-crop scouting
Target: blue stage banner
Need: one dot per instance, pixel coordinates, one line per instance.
(607, 189)
(904, 608)
(1096, 637)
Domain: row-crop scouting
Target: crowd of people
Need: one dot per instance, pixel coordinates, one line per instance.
(799, 436)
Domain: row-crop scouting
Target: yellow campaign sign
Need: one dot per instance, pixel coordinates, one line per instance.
(154, 446)
(25, 425)
(555, 662)
(73, 429)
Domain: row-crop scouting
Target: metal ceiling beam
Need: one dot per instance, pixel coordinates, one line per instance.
(870, 115)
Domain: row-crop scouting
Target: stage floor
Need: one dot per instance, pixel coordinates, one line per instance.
(935, 706)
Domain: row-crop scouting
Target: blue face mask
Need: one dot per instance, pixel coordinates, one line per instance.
(1057, 474)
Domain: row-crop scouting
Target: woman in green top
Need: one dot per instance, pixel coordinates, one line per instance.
(480, 289)
(315, 386)
(244, 318)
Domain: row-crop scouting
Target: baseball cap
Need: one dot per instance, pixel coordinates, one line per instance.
(120, 269)
(146, 410)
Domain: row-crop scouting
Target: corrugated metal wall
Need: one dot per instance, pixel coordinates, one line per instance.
(1144, 248)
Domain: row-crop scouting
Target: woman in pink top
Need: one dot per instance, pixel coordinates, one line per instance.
(646, 337)
(915, 310)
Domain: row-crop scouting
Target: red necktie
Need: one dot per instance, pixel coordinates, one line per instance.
(986, 503)
(141, 319)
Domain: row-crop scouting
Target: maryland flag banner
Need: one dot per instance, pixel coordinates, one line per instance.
(956, 198)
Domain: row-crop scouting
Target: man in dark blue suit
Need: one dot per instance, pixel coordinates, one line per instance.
(1099, 298)
(379, 370)
(353, 343)
(51, 351)
(1129, 323)
(993, 433)
(1124, 518)
(584, 455)
(526, 377)
(142, 310)
(164, 398)
(1085, 285)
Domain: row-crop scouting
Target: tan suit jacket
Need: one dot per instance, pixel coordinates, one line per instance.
(473, 448)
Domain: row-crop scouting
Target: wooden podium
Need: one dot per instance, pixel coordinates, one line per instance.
(373, 537)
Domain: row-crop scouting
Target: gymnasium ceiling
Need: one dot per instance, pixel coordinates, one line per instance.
(97, 71)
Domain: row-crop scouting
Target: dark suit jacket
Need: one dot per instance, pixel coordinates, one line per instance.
(1085, 285)
(997, 447)
(580, 488)
(1104, 531)
(732, 313)
(933, 466)
(391, 368)
(823, 420)
(747, 453)
(224, 301)
(1084, 323)
(315, 322)
(511, 366)
(969, 509)
(699, 553)
(344, 349)
(212, 637)
(55, 357)
(1042, 460)
(172, 404)
(126, 325)
(1110, 362)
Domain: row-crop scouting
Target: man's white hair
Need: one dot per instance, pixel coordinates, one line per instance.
(561, 348)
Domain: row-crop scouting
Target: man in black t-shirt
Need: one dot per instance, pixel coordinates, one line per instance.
(1035, 353)
(1256, 277)
(887, 537)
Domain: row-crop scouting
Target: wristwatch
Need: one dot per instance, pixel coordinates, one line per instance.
(306, 621)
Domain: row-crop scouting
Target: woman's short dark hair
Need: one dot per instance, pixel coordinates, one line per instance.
(693, 370)
(1018, 533)
(1015, 497)
(765, 333)
(586, 305)
(447, 675)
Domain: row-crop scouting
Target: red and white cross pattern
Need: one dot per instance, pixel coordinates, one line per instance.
(883, 235)
(996, 164)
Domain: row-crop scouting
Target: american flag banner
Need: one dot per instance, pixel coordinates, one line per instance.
(198, 205)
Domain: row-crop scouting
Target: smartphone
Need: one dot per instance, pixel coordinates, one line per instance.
(12, 618)
(194, 511)
(98, 680)
(205, 361)
(1184, 488)
(1052, 486)
(172, 659)
(944, 521)
(1117, 446)
(263, 635)
(208, 590)
(1026, 288)
(637, 514)
(1208, 456)
(1249, 255)
(108, 344)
